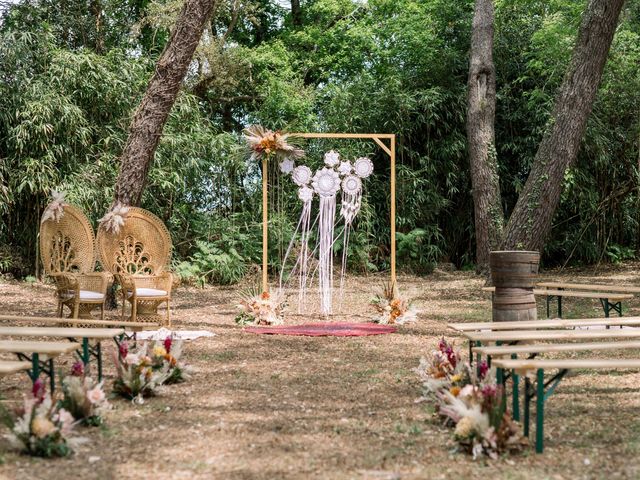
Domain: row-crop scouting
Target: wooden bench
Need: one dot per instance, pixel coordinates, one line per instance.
(71, 333)
(543, 390)
(7, 367)
(534, 335)
(39, 354)
(608, 300)
(594, 289)
(546, 324)
(478, 339)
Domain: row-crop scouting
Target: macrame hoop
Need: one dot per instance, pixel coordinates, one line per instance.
(381, 140)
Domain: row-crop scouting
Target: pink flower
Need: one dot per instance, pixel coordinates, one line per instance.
(484, 368)
(66, 420)
(38, 390)
(167, 344)
(77, 369)
(95, 395)
(123, 348)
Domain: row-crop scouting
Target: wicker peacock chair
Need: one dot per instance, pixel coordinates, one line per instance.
(138, 255)
(68, 254)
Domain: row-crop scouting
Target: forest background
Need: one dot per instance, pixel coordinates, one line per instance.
(72, 73)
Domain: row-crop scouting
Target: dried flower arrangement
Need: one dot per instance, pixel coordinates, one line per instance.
(83, 397)
(391, 308)
(260, 308)
(471, 401)
(41, 427)
(267, 143)
(165, 356)
(137, 378)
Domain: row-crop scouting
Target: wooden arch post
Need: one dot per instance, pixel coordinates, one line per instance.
(390, 150)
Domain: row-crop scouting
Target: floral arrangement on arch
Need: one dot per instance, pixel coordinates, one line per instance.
(41, 427)
(265, 143)
(471, 401)
(137, 378)
(261, 308)
(391, 308)
(83, 396)
(165, 356)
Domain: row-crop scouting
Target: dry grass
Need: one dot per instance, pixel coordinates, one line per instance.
(269, 407)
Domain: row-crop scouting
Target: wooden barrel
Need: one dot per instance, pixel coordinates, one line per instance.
(514, 275)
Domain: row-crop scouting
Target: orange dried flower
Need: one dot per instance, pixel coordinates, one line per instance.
(265, 295)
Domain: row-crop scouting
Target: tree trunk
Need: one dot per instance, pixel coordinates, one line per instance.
(296, 13)
(481, 109)
(531, 219)
(149, 119)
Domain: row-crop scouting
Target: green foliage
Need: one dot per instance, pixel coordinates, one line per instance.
(419, 248)
(70, 82)
(210, 263)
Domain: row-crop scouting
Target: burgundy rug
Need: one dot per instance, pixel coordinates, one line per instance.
(336, 329)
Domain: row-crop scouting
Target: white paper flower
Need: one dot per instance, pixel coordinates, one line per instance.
(305, 194)
(302, 175)
(286, 165)
(345, 168)
(351, 184)
(332, 158)
(326, 182)
(363, 167)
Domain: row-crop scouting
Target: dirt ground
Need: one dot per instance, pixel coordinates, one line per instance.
(281, 407)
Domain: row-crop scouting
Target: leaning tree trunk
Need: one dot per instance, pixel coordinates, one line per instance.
(481, 110)
(149, 119)
(296, 13)
(530, 221)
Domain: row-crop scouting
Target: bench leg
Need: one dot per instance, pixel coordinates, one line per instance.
(548, 301)
(540, 411)
(35, 367)
(559, 306)
(527, 404)
(515, 393)
(85, 351)
(99, 355)
(52, 375)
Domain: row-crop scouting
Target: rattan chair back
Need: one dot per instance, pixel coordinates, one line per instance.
(141, 247)
(67, 245)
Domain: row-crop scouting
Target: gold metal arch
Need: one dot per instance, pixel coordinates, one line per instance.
(379, 139)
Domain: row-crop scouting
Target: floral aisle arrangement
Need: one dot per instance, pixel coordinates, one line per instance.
(41, 426)
(391, 308)
(261, 308)
(165, 356)
(83, 397)
(137, 378)
(471, 401)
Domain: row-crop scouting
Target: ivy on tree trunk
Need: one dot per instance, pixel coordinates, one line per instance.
(149, 119)
(530, 222)
(481, 109)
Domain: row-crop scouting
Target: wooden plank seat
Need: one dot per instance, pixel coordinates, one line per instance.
(536, 348)
(7, 367)
(133, 326)
(535, 335)
(71, 333)
(589, 287)
(39, 354)
(544, 389)
(546, 324)
(609, 300)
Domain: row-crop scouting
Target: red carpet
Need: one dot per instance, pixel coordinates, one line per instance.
(326, 329)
